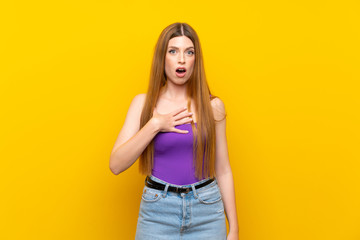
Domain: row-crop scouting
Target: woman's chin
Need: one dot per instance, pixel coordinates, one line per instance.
(178, 81)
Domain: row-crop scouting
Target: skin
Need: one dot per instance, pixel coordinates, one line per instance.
(169, 112)
(180, 53)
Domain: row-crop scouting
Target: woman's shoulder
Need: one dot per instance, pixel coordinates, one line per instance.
(217, 103)
(138, 101)
(140, 97)
(218, 108)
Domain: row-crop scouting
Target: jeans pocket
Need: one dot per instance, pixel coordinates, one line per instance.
(209, 195)
(151, 195)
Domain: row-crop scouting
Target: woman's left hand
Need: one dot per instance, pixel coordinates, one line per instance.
(233, 236)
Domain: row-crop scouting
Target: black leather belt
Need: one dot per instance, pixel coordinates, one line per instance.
(159, 186)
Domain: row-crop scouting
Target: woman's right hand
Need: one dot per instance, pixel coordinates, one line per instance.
(167, 122)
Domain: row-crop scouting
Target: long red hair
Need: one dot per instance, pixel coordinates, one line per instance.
(197, 89)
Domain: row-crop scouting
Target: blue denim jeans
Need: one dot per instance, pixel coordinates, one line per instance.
(196, 215)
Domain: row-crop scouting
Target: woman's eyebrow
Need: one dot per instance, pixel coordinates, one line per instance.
(178, 48)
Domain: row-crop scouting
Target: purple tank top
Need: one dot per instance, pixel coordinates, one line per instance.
(173, 156)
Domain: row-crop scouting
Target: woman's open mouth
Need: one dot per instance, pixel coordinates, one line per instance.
(180, 72)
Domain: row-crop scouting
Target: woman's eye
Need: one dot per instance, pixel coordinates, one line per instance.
(171, 51)
(191, 52)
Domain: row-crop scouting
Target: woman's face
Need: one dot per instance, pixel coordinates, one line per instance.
(180, 54)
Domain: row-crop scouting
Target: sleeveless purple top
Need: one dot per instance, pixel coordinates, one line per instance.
(173, 156)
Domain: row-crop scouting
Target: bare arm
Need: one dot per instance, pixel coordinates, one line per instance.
(132, 140)
(223, 170)
(125, 155)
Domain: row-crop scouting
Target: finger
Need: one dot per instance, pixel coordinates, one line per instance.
(176, 112)
(182, 121)
(180, 131)
(183, 115)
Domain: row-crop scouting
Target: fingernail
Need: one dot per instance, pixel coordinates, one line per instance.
(191, 113)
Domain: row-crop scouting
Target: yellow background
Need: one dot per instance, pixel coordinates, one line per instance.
(287, 71)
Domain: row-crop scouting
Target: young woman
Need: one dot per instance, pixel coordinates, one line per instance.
(178, 131)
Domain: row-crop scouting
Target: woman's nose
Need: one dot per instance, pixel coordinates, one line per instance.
(181, 58)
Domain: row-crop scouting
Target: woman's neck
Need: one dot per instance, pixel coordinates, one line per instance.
(174, 92)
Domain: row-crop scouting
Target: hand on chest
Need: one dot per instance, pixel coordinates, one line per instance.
(164, 106)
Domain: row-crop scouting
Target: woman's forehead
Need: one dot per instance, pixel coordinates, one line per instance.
(180, 42)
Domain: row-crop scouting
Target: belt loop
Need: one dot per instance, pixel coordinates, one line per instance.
(194, 191)
(165, 190)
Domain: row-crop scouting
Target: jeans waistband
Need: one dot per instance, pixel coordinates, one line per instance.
(192, 186)
(174, 185)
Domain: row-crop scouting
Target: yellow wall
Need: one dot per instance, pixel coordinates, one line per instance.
(287, 71)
